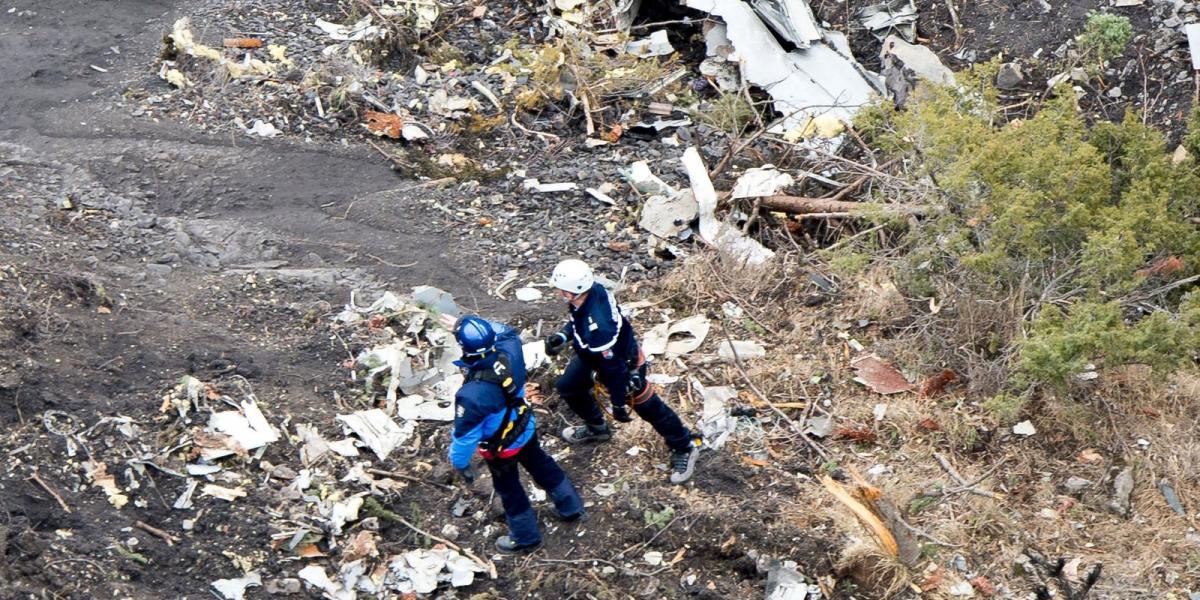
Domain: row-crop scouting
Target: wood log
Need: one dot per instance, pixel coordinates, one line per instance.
(800, 205)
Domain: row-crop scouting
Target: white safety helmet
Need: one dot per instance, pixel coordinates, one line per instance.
(573, 275)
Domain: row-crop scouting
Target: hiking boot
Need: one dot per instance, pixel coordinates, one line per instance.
(580, 517)
(683, 463)
(506, 545)
(581, 434)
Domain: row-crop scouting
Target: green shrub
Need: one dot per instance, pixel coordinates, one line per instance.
(1055, 225)
(1105, 36)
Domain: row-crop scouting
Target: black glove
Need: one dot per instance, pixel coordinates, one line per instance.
(556, 343)
(621, 413)
(468, 473)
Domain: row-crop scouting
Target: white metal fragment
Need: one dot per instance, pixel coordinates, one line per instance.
(1024, 428)
(263, 129)
(691, 332)
(720, 234)
(533, 185)
(805, 84)
(377, 430)
(668, 216)
(715, 423)
(654, 45)
(791, 19)
(919, 59)
(740, 350)
(360, 30)
(184, 501)
(222, 493)
(1193, 36)
(762, 181)
(248, 427)
(235, 589)
(528, 294)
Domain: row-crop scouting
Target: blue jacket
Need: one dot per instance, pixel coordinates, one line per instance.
(480, 405)
(604, 340)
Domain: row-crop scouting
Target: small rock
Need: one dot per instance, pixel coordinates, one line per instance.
(1122, 489)
(282, 587)
(1172, 22)
(450, 532)
(284, 472)
(1010, 76)
(1115, 92)
(157, 269)
(1076, 484)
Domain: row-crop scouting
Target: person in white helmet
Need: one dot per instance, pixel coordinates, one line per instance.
(607, 350)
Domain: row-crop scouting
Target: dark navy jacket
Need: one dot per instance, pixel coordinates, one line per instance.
(480, 405)
(604, 340)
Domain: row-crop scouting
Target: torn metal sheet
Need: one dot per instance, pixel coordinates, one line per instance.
(184, 501)
(666, 216)
(1193, 37)
(656, 44)
(762, 181)
(676, 339)
(716, 40)
(720, 234)
(315, 576)
(222, 493)
(248, 427)
(624, 12)
(740, 350)
(377, 430)
(715, 423)
(820, 426)
(899, 16)
(390, 360)
(437, 299)
(418, 407)
(314, 446)
(917, 58)
(644, 181)
(784, 582)
(421, 570)
(359, 31)
(600, 195)
(344, 447)
(235, 589)
(340, 513)
(535, 354)
(534, 185)
(660, 124)
(723, 72)
(201, 469)
(793, 20)
(880, 376)
(804, 84)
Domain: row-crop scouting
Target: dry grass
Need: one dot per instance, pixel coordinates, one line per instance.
(1152, 553)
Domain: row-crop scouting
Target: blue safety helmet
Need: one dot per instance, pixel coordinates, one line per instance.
(475, 336)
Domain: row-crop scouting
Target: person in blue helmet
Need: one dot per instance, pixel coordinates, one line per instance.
(607, 351)
(492, 417)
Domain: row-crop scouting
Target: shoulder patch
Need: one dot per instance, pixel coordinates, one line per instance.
(460, 411)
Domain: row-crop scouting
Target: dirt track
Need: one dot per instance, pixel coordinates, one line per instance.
(164, 231)
(133, 251)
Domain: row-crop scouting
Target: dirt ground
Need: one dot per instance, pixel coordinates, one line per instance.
(136, 251)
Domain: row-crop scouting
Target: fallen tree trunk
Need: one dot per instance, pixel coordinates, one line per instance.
(801, 205)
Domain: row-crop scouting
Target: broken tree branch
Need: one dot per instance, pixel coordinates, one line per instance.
(156, 532)
(374, 508)
(804, 205)
(967, 486)
(45, 486)
(410, 478)
(737, 361)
